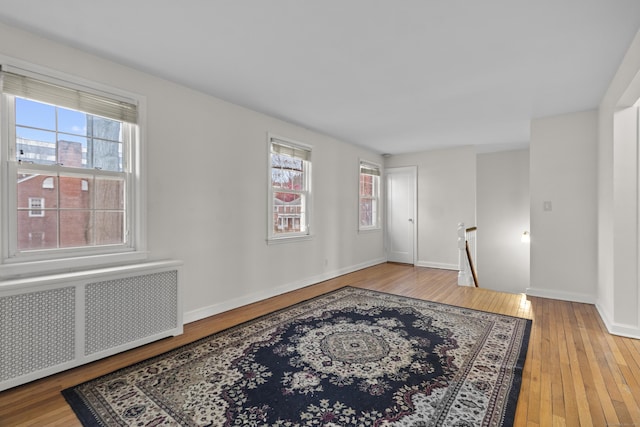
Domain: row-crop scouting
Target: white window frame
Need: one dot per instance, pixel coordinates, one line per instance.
(364, 164)
(14, 263)
(272, 237)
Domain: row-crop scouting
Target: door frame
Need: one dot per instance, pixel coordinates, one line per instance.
(413, 171)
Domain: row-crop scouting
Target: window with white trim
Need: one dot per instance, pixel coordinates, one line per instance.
(369, 199)
(289, 188)
(36, 206)
(70, 175)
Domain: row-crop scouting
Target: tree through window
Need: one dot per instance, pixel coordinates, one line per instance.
(369, 206)
(290, 165)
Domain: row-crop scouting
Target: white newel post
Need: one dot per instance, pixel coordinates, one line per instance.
(464, 276)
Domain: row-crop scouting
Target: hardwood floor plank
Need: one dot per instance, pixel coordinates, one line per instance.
(575, 374)
(597, 368)
(581, 337)
(574, 344)
(556, 342)
(608, 359)
(546, 363)
(535, 367)
(631, 350)
(630, 377)
(571, 410)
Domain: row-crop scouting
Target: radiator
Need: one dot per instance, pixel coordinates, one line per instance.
(52, 323)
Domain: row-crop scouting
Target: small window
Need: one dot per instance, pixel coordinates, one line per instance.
(48, 183)
(36, 207)
(369, 200)
(290, 189)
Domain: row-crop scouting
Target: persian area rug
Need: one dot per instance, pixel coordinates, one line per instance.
(352, 357)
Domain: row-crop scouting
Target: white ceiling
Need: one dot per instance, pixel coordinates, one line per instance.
(395, 75)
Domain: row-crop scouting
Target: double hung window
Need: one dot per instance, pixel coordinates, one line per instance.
(290, 189)
(70, 171)
(369, 200)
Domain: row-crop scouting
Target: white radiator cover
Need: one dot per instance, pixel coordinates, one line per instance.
(52, 323)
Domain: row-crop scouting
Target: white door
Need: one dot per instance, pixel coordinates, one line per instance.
(401, 214)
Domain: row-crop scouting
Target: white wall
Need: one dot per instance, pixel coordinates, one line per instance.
(563, 166)
(618, 288)
(503, 214)
(446, 196)
(207, 187)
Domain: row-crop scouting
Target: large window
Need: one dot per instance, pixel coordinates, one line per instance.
(70, 175)
(290, 189)
(369, 206)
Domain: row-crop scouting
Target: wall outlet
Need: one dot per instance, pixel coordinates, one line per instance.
(546, 206)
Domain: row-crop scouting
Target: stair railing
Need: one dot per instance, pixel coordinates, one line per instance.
(467, 275)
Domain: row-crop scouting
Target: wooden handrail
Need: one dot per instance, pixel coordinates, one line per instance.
(473, 268)
(467, 270)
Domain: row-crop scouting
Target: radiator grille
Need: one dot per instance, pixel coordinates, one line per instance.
(123, 310)
(37, 331)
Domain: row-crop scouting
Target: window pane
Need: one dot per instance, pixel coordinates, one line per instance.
(75, 192)
(366, 212)
(71, 121)
(37, 232)
(375, 186)
(287, 172)
(109, 228)
(72, 151)
(369, 195)
(99, 127)
(36, 146)
(288, 215)
(80, 228)
(35, 114)
(369, 185)
(76, 228)
(30, 185)
(109, 193)
(107, 155)
(287, 179)
(366, 187)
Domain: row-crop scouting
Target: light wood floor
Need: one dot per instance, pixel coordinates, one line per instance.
(576, 374)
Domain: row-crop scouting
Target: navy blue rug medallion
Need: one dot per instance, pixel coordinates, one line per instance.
(352, 357)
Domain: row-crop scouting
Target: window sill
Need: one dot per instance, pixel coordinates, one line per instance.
(288, 239)
(369, 230)
(63, 265)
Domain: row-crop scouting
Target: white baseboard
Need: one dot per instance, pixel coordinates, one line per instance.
(440, 265)
(629, 331)
(201, 313)
(561, 295)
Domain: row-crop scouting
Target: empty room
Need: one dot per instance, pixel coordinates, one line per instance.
(297, 213)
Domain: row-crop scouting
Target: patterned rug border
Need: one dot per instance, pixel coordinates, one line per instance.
(88, 418)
